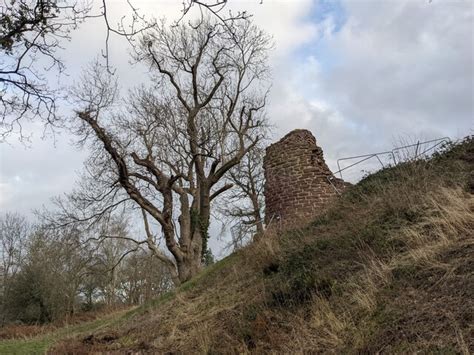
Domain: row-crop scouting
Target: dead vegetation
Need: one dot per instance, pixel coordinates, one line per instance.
(388, 268)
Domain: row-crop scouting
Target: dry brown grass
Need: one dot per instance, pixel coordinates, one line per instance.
(23, 331)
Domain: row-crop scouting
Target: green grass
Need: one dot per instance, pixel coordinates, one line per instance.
(208, 273)
(40, 344)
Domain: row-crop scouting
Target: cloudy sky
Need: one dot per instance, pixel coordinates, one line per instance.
(361, 75)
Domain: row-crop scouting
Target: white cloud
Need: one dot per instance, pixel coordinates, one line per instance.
(394, 69)
(32, 173)
(404, 67)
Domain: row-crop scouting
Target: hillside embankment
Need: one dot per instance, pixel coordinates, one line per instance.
(389, 267)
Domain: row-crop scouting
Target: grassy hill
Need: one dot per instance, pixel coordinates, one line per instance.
(388, 267)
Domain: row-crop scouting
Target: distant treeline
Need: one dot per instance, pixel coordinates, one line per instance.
(47, 275)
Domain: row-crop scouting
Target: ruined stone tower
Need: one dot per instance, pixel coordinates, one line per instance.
(296, 179)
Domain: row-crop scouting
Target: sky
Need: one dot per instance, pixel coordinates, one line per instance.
(362, 76)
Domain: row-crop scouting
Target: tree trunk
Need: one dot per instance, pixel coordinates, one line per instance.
(190, 264)
(257, 216)
(189, 267)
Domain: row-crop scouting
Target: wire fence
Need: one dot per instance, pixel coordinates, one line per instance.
(380, 160)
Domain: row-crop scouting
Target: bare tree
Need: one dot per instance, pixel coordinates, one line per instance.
(243, 205)
(169, 152)
(142, 277)
(14, 230)
(214, 7)
(123, 271)
(31, 33)
(48, 280)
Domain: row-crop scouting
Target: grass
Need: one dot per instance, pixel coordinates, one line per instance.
(387, 268)
(41, 343)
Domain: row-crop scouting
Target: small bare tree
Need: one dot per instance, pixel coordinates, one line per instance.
(244, 204)
(14, 232)
(169, 152)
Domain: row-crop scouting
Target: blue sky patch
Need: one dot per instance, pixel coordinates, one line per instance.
(321, 11)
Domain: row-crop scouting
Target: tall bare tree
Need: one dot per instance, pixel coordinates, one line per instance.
(169, 151)
(33, 31)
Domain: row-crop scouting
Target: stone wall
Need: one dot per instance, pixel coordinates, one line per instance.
(296, 179)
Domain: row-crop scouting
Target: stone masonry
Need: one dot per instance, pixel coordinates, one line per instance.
(296, 179)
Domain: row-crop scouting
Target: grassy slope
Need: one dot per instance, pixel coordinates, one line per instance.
(39, 344)
(388, 268)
